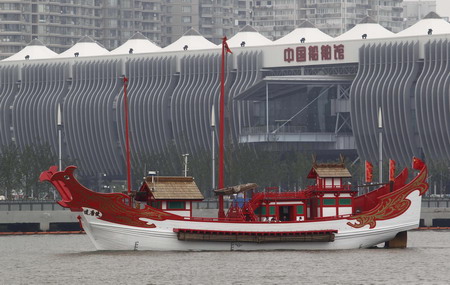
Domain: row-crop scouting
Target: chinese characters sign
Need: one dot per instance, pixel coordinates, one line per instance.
(314, 53)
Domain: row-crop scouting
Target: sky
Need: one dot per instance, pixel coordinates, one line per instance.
(443, 7)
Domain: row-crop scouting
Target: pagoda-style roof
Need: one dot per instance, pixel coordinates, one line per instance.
(173, 188)
(329, 170)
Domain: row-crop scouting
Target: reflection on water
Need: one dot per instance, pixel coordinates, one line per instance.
(72, 259)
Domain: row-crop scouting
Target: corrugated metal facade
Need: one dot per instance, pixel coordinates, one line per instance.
(171, 96)
(165, 105)
(414, 97)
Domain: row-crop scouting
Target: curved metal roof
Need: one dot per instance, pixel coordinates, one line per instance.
(86, 46)
(431, 21)
(138, 43)
(367, 27)
(34, 50)
(307, 31)
(192, 40)
(250, 37)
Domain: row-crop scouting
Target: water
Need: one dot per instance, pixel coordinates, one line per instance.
(72, 259)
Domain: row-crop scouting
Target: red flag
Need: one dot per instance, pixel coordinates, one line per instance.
(369, 172)
(391, 170)
(225, 45)
(417, 163)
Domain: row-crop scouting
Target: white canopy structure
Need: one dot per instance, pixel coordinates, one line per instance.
(34, 50)
(366, 29)
(138, 43)
(307, 33)
(431, 24)
(86, 46)
(248, 37)
(191, 40)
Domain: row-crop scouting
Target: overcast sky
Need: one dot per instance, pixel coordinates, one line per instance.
(443, 7)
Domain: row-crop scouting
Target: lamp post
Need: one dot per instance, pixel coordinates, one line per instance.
(59, 126)
(185, 162)
(380, 146)
(213, 148)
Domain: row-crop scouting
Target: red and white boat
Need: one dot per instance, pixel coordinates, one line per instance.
(328, 215)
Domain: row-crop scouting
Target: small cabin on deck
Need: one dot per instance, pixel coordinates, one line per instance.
(171, 194)
(331, 196)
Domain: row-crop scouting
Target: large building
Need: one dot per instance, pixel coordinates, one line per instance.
(321, 95)
(275, 19)
(59, 24)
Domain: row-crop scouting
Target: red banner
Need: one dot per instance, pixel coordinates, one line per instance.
(418, 164)
(369, 172)
(391, 170)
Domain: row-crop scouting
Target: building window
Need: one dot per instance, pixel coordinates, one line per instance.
(155, 204)
(186, 19)
(186, 9)
(272, 210)
(261, 211)
(329, 202)
(176, 205)
(300, 210)
(345, 202)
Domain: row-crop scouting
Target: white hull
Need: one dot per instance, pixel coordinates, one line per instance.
(110, 236)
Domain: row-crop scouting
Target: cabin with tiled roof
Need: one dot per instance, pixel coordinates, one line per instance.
(331, 196)
(172, 194)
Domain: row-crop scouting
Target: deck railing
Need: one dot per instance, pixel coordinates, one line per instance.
(24, 205)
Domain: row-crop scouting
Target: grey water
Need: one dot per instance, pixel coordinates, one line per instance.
(72, 259)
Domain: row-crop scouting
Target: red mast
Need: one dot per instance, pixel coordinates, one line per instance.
(221, 184)
(127, 138)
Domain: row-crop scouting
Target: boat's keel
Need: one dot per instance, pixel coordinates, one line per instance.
(400, 241)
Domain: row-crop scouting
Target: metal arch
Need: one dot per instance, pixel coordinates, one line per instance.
(8, 90)
(428, 87)
(406, 124)
(423, 104)
(357, 101)
(69, 114)
(445, 98)
(436, 97)
(248, 73)
(369, 128)
(165, 125)
(26, 87)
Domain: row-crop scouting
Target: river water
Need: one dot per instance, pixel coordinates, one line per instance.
(72, 259)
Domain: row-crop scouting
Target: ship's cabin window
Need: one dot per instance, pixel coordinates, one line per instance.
(332, 182)
(286, 213)
(155, 204)
(176, 205)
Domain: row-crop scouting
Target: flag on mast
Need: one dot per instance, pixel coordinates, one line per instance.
(369, 172)
(391, 170)
(225, 45)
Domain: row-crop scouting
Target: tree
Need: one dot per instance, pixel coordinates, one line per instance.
(33, 160)
(9, 178)
(439, 172)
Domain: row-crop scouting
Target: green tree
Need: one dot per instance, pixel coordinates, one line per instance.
(33, 160)
(9, 178)
(439, 173)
